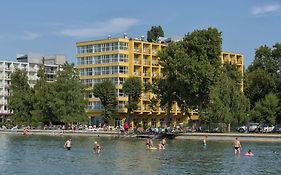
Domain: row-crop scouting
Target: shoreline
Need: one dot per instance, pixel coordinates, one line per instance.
(263, 137)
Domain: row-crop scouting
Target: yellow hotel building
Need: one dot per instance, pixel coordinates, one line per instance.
(116, 59)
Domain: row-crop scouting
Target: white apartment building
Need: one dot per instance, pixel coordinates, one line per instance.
(31, 67)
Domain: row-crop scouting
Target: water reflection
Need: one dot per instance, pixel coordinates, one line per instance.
(46, 155)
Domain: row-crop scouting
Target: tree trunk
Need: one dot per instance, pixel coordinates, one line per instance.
(168, 113)
(228, 127)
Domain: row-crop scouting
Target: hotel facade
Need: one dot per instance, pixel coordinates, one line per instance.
(116, 59)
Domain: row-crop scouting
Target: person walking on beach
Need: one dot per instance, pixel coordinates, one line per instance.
(97, 147)
(237, 146)
(67, 144)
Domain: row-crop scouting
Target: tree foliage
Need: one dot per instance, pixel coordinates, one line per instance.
(20, 100)
(263, 76)
(266, 109)
(133, 88)
(227, 103)
(194, 64)
(154, 33)
(106, 92)
(44, 96)
(69, 99)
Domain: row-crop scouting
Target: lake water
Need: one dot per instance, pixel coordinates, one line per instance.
(40, 155)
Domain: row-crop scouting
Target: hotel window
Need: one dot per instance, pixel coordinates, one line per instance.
(114, 70)
(97, 71)
(121, 105)
(153, 122)
(121, 81)
(82, 72)
(162, 122)
(104, 70)
(114, 58)
(121, 93)
(123, 69)
(144, 122)
(123, 58)
(114, 46)
(89, 71)
(123, 46)
(118, 122)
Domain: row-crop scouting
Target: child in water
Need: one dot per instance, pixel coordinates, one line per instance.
(249, 152)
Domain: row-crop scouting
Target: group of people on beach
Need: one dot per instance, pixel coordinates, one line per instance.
(96, 148)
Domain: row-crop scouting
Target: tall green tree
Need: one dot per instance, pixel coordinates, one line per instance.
(168, 87)
(263, 76)
(154, 33)
(265, 110)
(20, 101)
(132, 87)
(44, 95)
(106, 92)
(227, 103)
(69, 99)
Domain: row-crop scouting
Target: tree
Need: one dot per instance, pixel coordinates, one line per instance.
(165, 92)
(263, 76)
(69, 98)
(259, 83)
(266, 109)
(44, 95)
(194, 63)
(154, 33)
(106, 92)
(133, 88)
(20, 100)
(227, 103)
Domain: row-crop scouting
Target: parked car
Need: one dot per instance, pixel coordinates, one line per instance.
(251, 127)
(242, 129)
(266, 128)
(277, 128)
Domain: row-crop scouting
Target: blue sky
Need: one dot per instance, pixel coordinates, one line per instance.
(54, 26)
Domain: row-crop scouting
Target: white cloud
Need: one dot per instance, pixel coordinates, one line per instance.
(265, 9)
(30, 36)
(112, 26)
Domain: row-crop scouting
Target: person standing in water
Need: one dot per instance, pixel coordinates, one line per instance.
(149, 143)
(205, 141)
(97, 147)
(67, 144)
(237, 146)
